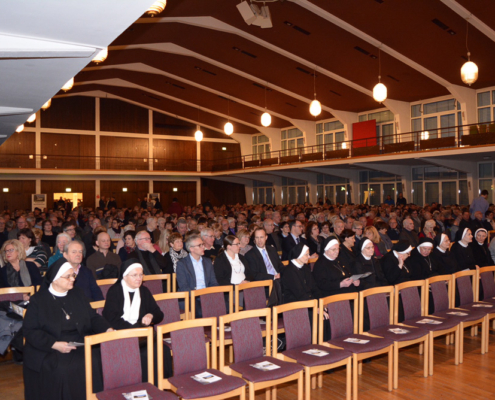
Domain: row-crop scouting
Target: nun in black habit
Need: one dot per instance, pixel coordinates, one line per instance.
(421, 264)
(394, 263)
(462, 251)
(445, 261)
(57, 315)
(479, 248)
(367, 262)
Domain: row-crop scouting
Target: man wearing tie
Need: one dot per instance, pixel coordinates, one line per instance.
(292, 239)
(263, 261)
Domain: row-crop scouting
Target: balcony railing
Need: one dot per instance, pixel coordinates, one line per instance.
(442, 138)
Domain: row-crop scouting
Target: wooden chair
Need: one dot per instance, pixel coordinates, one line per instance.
(491, 235)
(466, 283)
(486, 277)
(174, 282)
(381, 316)
(104, 285)
(98, 306)
(190, 358)
(248, 350)
(301, 335)
(121, 348)
(15, 293)
(155, 283)
(344, 327)
(414, 310)
(169, 303)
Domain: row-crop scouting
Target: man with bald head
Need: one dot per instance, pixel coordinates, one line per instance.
(151, 259)
(104, 256)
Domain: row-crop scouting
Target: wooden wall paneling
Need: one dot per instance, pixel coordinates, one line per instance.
(135, 190)
(69, 151)
(120, 153)
(174, 155)
(186, 192)
(15, 151)
(18, 196)
(86, 187)
(213, 157)
(119, 116)
(75, 112)
(167, 125)
(219, 192)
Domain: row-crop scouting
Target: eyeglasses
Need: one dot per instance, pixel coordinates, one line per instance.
(70, 230)
(69, 276)
(137, 276)
(198, 245)
(9, 250)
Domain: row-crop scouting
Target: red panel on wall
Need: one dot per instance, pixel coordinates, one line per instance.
(364, 134)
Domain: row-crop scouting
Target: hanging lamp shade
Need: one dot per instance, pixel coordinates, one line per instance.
(266, 119)
(46, 105)
(20, 128)
(101, 56)
(469, 72)
(32, 118)
(228, 128)
(68, 85)
(198, 135)
(315, 108)
(157, 7)
(380, 92)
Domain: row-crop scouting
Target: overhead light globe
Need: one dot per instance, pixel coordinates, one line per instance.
(20, 128)
(101, 56)
(315, 108)
(380, 92)
(228, 128)
(68, 85)
(157, 7)
(266, 119)
(46, 105)
(469, 73)
(198, 135)
(32, 118)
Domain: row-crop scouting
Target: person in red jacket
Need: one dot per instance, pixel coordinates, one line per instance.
(175, 207)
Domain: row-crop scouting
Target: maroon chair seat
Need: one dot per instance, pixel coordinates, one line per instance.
(447, 323)
(414, 333)
(153, 392)
(472, 315)
(374, 344)
(308, 360)
(255, 375)
(188, 388)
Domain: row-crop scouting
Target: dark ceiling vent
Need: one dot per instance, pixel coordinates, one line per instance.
(152, 97)
(292, 105)
(299, 29)
(205, 71)
(262, 87)
(178, 86)
(361, 50)
(440, 24)
(334, 92)
(393, 78)
(303, 70)
(226, 98)
(380, 1)
(248, 54)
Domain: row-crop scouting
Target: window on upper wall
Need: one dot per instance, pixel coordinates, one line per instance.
(436, 119)
(292, 139)
(330, 135)
(384, 124)
(261, 147)
(486, 111)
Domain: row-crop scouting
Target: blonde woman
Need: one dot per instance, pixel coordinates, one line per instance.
(429, 229)
(244, 238)
(372, 234)
(17, 272)
(163, 242)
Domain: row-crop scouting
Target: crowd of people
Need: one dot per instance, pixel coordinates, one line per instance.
(309, 251)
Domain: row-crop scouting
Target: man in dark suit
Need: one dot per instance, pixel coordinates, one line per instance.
(263, 261)
(195, 271)
(293, 239)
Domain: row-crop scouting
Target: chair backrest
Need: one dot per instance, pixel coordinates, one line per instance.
(254, 294)
(155, 283)
(104, 285)
(246, 332)
(15, 293)
(298, 329)
(412, 303)
(98, 306)
(120, 357)
(340, 315)
(441, 288)
(464, 282)
(169, 304)
(380, 314)
(487, 282)
(212, 301)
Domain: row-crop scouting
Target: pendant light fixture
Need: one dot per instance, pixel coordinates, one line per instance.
(228, 127)
(198, 135)
(380, 90)
(101, 56)
(156, 8)
(20, 128)
(315, 106)
(31, 118)
(469, 71)
(47, 105)
(266, 118)
(68, 85)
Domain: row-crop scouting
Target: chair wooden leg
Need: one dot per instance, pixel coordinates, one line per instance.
(313, 381)
(268, 393)
(483, 340)
(461, 344)
(243, 394)
(430, 352)
(360, 368)
(355, 369)
(208, 355)
(472, 331)
(447, 339)
(457, 345)
(320, 380)
(299, 387)
(231, 353)
(299, 391)
(396, 365)
(425, 357)
(487, 335)
(348, 384)
(251, 391)
(307, 384)
(421, 348)
(391, 366)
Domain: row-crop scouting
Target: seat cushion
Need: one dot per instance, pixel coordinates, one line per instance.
(447, 323)
(153, 392)
(414, 333)
(255, 375)
(374, 344)
(188, 388)
(308, 360)
(472, 307)
(472, 315)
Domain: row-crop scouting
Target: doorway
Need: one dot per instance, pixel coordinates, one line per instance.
(74, 198)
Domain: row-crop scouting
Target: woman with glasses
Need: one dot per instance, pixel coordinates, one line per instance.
(244, 237)
(58, 318)
(17, 272)
(230, 266)
(176, 251)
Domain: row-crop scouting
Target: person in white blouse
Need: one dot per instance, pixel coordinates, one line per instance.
(230, 266)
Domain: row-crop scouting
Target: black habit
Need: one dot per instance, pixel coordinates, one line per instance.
(329, 273)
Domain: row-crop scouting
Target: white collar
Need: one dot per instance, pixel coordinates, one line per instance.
(294, 261)
(462, 244)
(55, 293)
(366, 258)
(439, 249)
(328, 258)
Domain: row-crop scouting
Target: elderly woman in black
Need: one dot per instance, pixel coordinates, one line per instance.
(445, 260)
(394, 264)
(347, 256)
(479, 248)
(462, 251)
(58, 316)
(421, 264)
(332, 276)
(367, 262)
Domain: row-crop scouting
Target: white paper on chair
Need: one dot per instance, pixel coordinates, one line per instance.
(226, 329)
(398, 331)
(168, 340)
(316, 352)
(458, 313)
(355, 340)
(17, 309)
(206, 378)
(265, 366)
(140, 394)
(483, 305)
(262, 322)
(430, 321)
